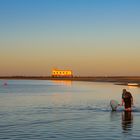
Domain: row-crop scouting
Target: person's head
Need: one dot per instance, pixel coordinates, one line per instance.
(124, 90)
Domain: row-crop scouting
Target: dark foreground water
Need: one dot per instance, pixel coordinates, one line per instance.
(58, 110)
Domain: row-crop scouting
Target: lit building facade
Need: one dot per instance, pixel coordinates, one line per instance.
(62, 73)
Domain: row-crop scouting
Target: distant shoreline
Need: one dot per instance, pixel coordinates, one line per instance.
(119, 80)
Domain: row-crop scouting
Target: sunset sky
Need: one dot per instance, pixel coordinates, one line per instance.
(90, 37)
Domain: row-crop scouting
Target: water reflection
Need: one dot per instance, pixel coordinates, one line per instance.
(114, 116)
(63, 82)
(127, 121)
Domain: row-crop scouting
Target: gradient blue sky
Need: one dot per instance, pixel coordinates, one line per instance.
(91, 37)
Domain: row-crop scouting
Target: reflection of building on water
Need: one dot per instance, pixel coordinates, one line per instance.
(63, 82)
(61, 73)
(127, 120)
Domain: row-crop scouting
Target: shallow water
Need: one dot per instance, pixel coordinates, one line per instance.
(60, 110)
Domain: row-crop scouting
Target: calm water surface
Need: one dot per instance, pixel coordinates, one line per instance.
(58, 110)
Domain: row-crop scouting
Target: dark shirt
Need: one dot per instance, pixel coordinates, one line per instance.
(127, 99)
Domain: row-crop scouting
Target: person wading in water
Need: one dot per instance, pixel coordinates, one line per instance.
(127, 100)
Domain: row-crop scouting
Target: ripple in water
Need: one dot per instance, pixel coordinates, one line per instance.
(75, 112)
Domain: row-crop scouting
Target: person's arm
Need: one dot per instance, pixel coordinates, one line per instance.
(122, 101)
